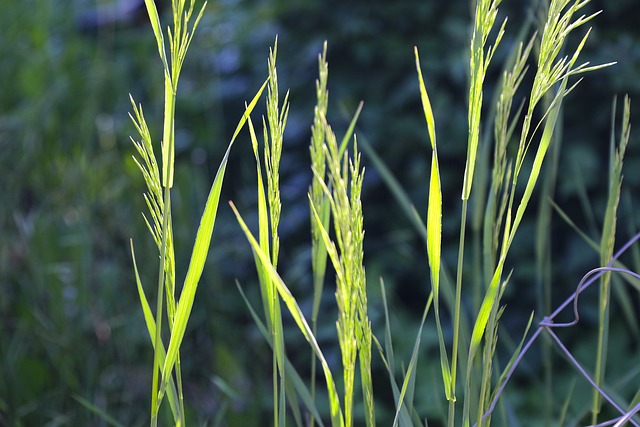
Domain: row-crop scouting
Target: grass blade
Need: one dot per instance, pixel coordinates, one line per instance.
(152, 10)
(151, 328)
(434, 231)
(199, 254)
(409, 379)
(99, 412)
(336, 413)
(348, 134)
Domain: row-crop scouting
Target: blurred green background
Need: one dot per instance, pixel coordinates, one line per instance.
(70, 321)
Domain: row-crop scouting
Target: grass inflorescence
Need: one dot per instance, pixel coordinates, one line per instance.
(524, 120)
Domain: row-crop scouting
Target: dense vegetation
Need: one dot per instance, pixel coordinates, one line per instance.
(71, 328)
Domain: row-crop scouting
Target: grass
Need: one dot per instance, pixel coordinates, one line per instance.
(71, 325)
(521, 140)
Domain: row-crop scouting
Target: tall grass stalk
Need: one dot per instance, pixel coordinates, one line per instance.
(269, 207)
(318, 198)
(544, 265)
(606, 251)
(500, 219)
(354, 328)
(486, 12)
(158, 199)
(338, 185)
(550, 72)
(504, 126)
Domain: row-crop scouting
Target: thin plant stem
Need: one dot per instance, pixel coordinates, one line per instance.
(158, 339)
(606, 248)
(456, 312)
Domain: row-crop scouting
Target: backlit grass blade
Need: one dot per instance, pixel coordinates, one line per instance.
(199, 255)
(152, 10)
(337, 419)
(489, 298)
(349, 133)
(426, 104)
(151, 328)
(434, 230)
(545, 140)
(263, 231)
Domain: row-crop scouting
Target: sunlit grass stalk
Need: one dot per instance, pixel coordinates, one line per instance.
(354, 330)
(269, 207)
(337, 418)
(549, 73)
(158, 200)
(497, 201)
(543, 239)
(156, 205)
(607, 244)
(318, 198)
(340, 193)
(485, 15)
(179, 41)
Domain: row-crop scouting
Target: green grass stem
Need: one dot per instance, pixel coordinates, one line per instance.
(158, 200)
(318, 198)
(269, 207)
(607, 244)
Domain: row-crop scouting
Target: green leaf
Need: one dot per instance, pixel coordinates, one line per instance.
(426, 104)
(157, 31)
(151, 328)
(98, 411)
(295, 311)
(199, 254)
(434, 231)
(349, 132)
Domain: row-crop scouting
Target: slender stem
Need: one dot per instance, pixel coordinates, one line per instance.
(452, 413)
(167, 134)
(314, 324)
(161, 277)
(168, 166)
(275, 382)
(456, 312)
(603, 336)
(181, 416)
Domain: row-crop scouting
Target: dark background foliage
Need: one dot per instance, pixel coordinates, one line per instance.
(70, 322)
